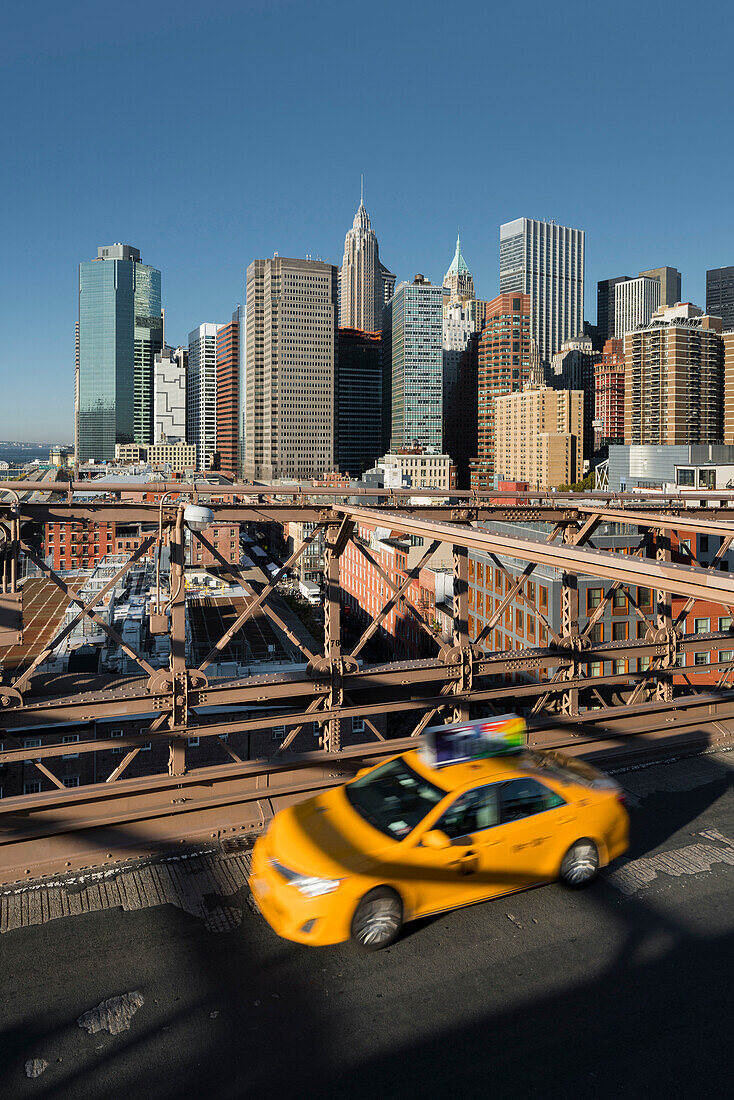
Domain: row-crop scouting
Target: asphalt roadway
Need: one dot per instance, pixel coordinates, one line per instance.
(624, 989)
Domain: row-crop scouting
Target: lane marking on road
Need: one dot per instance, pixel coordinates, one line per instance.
(631, 875)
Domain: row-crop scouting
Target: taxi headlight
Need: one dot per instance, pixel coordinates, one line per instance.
(308, 885)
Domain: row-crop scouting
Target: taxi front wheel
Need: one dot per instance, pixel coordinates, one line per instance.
(580, 863)
(377, 919)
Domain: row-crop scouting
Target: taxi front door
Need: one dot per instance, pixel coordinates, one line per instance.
(463, 872)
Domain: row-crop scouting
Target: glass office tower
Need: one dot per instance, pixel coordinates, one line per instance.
(120, 331)
(413, 341)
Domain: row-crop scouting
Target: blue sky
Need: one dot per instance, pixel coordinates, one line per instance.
(210, 134)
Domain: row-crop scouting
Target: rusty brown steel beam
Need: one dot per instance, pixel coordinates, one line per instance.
(276, 689)
(637, 518)
(398, 592)
(683, 580)
(201, 489)
(257, 602)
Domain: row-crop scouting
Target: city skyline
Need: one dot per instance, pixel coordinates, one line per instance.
(280, 186)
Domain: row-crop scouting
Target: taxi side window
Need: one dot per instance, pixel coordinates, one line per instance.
(470, 813)
(523, 797)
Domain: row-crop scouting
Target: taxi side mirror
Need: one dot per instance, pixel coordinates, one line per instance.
(436, 839)
(361, 772)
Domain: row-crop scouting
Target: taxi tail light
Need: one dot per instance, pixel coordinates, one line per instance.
(622, 797)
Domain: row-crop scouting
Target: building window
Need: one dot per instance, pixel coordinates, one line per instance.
(278, 733)
(116, 733)
(358, 725)
(70, 739)
(700, 658)
(193, 742)
(619, 600)
(701, 626)
(31, 742)
(32, 786)
(71, 780)
(593, 598)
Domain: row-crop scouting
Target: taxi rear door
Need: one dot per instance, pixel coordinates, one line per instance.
(536, 827)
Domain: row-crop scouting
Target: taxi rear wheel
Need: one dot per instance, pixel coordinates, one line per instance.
(378, 919)
(580, 863)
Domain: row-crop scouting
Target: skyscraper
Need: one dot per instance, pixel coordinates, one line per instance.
(201, 393)
(169, 396)
(413, 352)
(609, 397)
(720, 295)
(673, 379)
(546, 261)
(287, 382)
(120, 331)
(670, 283)
(605, 297)
(635, 301)
(362, 277)
(572, 368)
(506, 362)
(228, 393)
(458, 280)
(358, 401)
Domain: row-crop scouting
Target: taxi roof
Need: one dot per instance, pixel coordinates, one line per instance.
(453, 777)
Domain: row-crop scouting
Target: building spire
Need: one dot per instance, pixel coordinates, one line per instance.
(361, 190)
(458, 264)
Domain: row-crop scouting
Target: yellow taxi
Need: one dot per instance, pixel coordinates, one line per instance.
(470, 814)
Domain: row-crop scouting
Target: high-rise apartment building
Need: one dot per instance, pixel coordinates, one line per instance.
(609, 395)
(635, 301)
(169, 395)
(120, 331)
(670, 283)
(413, 356)
(546, 261)
(362, 278)
(539, 435)
(287, 385)
(458, 280)
(720, 295)
(605, 298)
(228, 393)
(506, 361)
(201, 393)
(727, 339)
(673, 378)
(358, 401)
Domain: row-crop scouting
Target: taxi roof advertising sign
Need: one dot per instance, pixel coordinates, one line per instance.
(465, 741)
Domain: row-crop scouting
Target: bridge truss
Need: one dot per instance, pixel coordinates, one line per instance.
(559, 685)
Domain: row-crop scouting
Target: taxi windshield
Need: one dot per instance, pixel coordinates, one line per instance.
(393, 798)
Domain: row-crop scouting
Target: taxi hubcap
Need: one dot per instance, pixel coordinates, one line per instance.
(581, 863)
(377, 921)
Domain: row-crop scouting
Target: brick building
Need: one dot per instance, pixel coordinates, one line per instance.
(609, 394)
(505, 362)
(365, 593)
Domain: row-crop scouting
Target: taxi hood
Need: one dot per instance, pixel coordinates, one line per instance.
(324, 837)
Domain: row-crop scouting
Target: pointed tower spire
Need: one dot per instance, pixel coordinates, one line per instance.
(361, 190)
